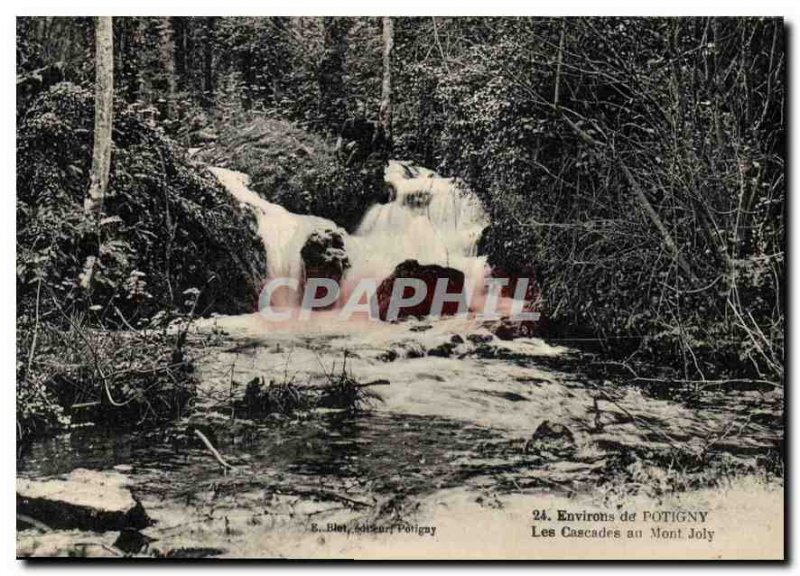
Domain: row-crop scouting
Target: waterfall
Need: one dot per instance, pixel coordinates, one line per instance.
(282, 232)
(431, 219)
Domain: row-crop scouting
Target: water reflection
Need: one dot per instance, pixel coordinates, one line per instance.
(382, 453)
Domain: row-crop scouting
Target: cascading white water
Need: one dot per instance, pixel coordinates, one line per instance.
(282, 232)
(431, 219)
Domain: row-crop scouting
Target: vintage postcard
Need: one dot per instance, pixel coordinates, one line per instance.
(457, 288)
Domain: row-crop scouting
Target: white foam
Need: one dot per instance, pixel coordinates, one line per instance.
(431, 219)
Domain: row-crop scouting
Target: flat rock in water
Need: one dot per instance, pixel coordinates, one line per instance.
(83, 499)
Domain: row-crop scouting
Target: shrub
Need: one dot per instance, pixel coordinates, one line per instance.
(577, 132)
(339, 391)
(79, 373)
(172, 244)
(169, 228)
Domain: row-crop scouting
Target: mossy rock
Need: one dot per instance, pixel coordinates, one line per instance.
(299, 170)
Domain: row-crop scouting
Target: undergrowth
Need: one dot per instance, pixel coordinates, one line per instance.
(338, 390)
(72, 371)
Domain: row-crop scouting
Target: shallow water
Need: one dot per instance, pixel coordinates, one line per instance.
(445, 428)
(369, 453)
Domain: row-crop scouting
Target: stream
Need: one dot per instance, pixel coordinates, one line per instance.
(454, 431)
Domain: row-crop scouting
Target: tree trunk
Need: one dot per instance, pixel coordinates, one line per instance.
(386, 88)
(103, 114)
(129, 77)
(179, 28)
(208, 60)
(167, 54)
(330, 77)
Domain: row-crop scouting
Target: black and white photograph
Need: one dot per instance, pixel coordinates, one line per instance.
(400, 287)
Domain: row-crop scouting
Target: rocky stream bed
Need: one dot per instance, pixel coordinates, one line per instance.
(468, 429)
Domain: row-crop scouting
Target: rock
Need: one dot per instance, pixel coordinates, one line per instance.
(132, 541)
(457, 339)
(428, 273)
(84, 500)
(443, 350)
(324, 256)
(551, 437)
(511, 396)
(552, 431)
(413, 349)
(418, 199)
(388, 356)
(484, 350)
(480, 338)
(64, 544)
(507, 329)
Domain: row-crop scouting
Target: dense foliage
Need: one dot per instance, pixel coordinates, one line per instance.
(636, 165)
(74, 372)
(169, 228)
(171, 244)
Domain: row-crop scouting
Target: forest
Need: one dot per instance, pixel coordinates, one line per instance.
(634, 167)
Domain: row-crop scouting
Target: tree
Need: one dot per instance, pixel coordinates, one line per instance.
(209, 31)
(103, 114)
(386, 87)
(130, 50)
(167, 54)
(331, 72)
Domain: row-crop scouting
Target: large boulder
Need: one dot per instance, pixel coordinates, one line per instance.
(301, 171)
(429, 274)
(506, 328)
(513, 277)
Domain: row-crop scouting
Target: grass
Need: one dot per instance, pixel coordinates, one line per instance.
(339, 390)
(74, 372)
